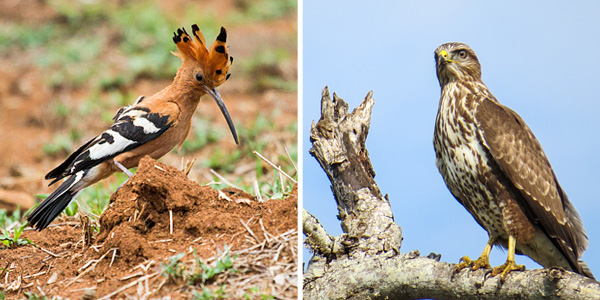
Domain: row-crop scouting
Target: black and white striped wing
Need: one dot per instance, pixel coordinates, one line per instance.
(134, 126)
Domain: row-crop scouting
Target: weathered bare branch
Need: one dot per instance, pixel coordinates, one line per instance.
(407, 276)
(316, 236)
(339, 146)
(365, 262)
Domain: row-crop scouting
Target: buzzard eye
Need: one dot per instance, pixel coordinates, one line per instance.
(462, 54)
(199, 77)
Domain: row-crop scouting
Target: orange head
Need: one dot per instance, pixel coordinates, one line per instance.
(208, 69)
(214, 63)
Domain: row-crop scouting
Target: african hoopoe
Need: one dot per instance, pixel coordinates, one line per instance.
(151, 126)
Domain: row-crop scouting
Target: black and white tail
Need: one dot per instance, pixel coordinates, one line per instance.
(50, 208)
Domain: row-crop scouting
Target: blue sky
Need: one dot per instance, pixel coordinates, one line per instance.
(539, 58)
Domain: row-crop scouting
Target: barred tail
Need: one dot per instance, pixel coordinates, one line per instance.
(58, 200)
(585, 270)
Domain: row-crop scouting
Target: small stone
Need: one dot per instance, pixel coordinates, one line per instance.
(53, 278)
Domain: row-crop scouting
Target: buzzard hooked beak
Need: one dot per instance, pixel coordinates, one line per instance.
(217, 97)
(443, 58)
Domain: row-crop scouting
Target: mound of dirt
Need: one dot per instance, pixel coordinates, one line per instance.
(144, 209)
(155, 215)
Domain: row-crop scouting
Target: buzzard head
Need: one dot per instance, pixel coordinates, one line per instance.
(456, 61)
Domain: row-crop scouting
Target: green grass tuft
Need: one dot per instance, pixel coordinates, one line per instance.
(10, 242)
(204, 273)
(175, 268)
(6, 220)
(34, 296)
(207, 294)
(255, 291)
(199, 272)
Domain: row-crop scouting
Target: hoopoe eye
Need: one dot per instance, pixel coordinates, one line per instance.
(199, 76)
(462, 54)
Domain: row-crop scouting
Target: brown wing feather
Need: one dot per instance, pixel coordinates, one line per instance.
(520, 155)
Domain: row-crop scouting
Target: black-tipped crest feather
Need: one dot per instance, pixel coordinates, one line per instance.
(222, 37)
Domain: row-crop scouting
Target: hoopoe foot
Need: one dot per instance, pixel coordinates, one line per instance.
(481, 262)
(507, 267)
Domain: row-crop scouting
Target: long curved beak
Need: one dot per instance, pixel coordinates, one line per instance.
(215, 95)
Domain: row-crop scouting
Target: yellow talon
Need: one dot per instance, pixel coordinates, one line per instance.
(482, 262)
(506, 268)
(464, 262)
(510, 264)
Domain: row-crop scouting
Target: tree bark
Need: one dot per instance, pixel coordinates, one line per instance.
(365, 261)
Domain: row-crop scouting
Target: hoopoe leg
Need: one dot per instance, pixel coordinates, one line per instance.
(122, 167)
(125, 170)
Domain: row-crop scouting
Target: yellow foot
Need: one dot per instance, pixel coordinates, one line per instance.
(507, 267)
(465, 262)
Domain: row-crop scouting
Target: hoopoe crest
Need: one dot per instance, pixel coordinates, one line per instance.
(214, 62)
